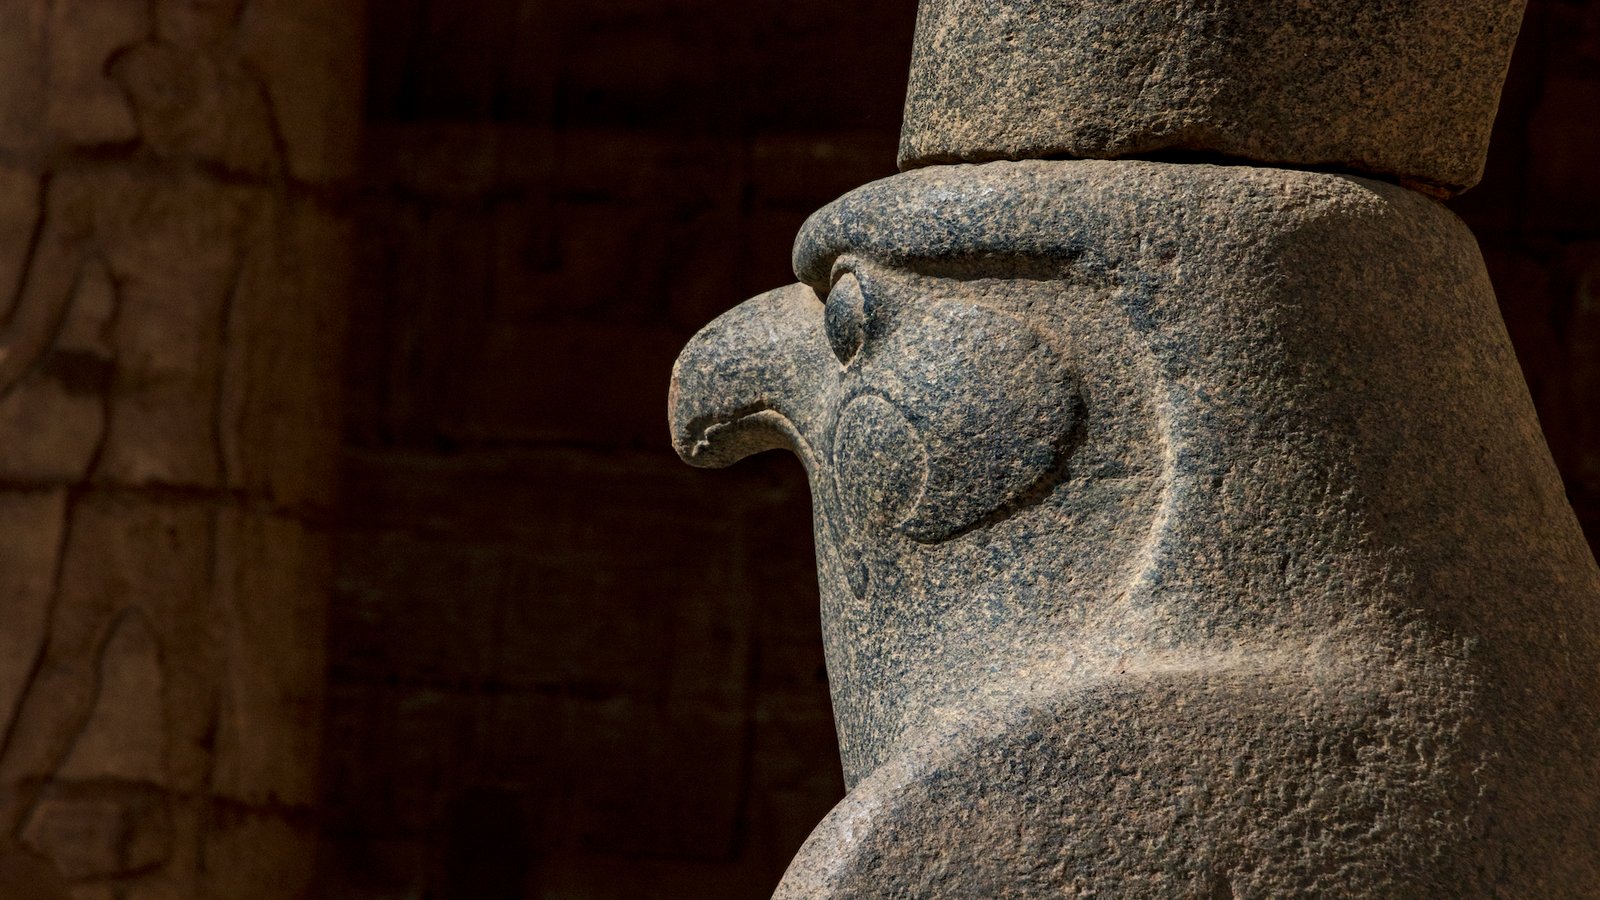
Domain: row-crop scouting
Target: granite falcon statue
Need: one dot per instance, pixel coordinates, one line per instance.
(1183, 530)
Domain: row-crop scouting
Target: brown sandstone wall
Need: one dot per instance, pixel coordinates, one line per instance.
(173, 257)
(563, 664)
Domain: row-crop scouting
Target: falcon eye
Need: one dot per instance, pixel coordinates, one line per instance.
(846, 318)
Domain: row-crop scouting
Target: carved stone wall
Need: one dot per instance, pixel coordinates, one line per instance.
(175, 272)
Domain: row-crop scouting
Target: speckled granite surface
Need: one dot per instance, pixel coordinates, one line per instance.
(1405, 89)
(1184, 529)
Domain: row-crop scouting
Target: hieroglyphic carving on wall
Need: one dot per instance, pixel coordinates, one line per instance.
(165, 404)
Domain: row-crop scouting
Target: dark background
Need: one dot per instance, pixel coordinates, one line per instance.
(563, 663)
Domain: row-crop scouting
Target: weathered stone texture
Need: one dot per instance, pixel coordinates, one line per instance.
(1400, 89)
(1128, 472)
(168, 392)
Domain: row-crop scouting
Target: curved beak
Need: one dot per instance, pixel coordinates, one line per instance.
(759, 377)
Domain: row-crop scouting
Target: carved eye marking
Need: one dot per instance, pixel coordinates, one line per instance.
(881, 464)
(846, 318)
(969, 410)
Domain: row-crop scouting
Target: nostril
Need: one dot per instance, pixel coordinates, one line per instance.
(846, 318)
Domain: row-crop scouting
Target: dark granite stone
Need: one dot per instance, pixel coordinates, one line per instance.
(1183, 531)
(1405, 89)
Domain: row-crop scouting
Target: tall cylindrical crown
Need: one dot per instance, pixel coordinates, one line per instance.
(1404, 89)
